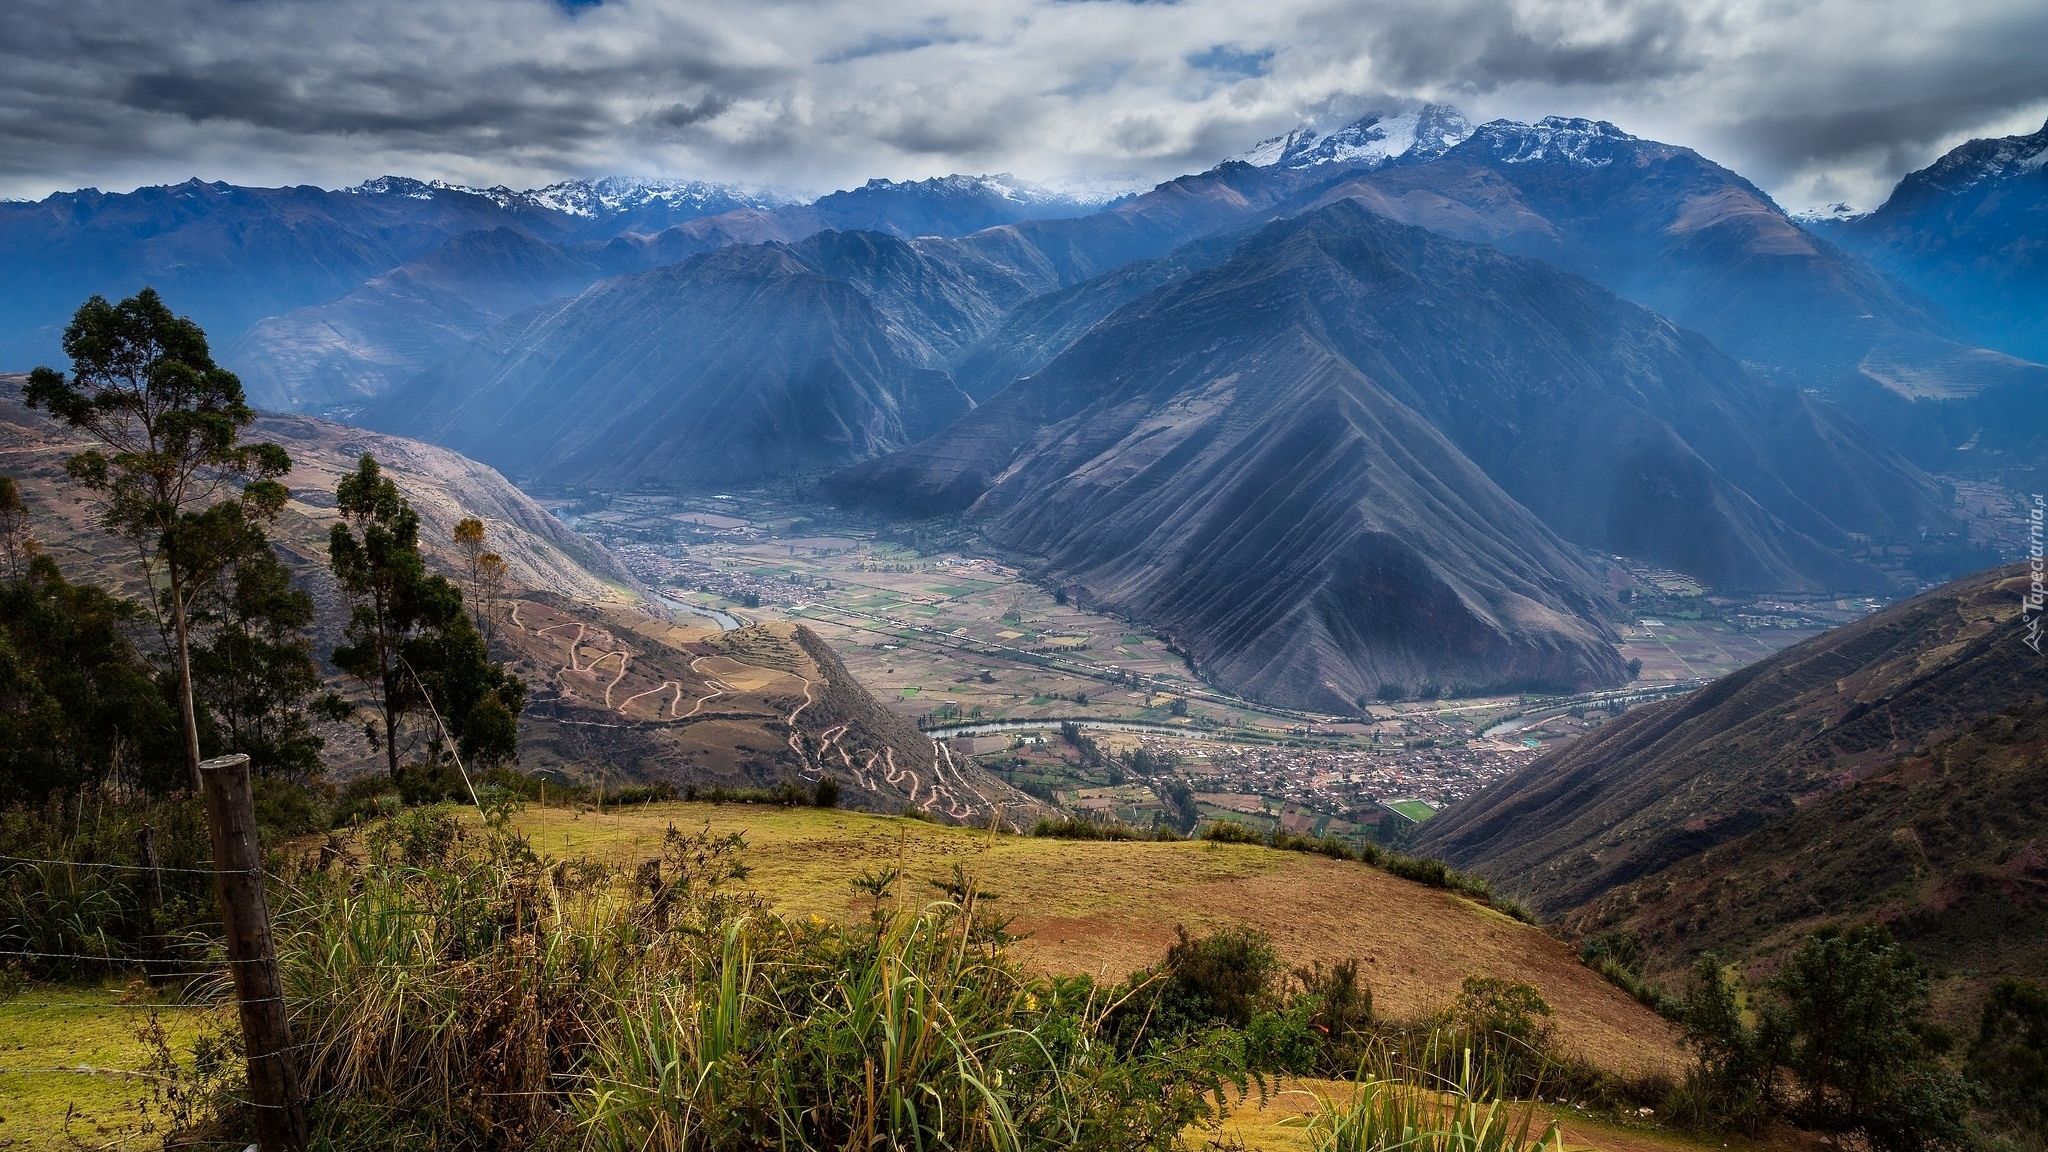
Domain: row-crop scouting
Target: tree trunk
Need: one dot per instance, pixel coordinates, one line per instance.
(185, 706)
(390, 723)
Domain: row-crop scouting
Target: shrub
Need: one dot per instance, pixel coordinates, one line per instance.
(72, 885)
(1422, 870)
(1331, 846)
(1618, 956)
(1221, 979)
(657, 792)
(2010, 1055)
(1505, 1025)
(1231, 832)
(785, 794)
(1081, 828)
(1855, 1000)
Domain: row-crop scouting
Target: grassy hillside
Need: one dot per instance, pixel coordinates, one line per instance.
(1089, 907)
(1105, 908)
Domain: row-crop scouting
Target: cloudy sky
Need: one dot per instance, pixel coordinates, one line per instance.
(1817, 100)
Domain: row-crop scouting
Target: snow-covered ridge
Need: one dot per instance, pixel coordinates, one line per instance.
(606, 196)
(2001, 158)
(1005, 186)
(1836, 213)
(1590, 143)
(1371, 141)
(615, 195)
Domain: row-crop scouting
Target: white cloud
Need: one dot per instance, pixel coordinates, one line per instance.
(1812, 98)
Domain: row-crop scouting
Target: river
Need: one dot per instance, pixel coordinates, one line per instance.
(725, 622)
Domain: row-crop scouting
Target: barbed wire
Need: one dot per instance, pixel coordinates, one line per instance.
(87, 1005)
(133, 867)
(141, 960)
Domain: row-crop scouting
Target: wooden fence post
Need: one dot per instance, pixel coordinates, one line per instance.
(152, 898)
(266, 1030)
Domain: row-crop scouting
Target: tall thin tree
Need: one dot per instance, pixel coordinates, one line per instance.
(17, 547)
(409, 636)
(170, 458)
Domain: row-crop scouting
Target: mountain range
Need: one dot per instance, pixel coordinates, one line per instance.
(231, 256)
(1345, 415)
(1671, 230)
(1350, 459)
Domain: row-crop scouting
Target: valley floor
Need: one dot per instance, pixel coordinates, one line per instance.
(958, 640)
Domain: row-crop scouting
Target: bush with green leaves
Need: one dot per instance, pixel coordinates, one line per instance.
(73, 889)
(1845, 1014)
(2009, 1059)
(1737, 1048)
(1856, 1002)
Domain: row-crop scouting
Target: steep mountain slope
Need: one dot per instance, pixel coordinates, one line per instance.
(937, 298)
(1042, 327)
(1890, 767)
(1669, 229)
(1970, 231)
(739, 364)
(612, 687)
(1334, 464)
(398, 324)
(539, 550)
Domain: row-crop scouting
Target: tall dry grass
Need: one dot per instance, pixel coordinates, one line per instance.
(454, 990)
(1399, 1104)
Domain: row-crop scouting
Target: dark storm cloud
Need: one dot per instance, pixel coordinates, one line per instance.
(1806, 96)
(1481, 47)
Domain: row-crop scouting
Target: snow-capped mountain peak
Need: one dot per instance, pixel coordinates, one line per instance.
(590, 199)
(1371, 141)
(1557, 139)
(1997, 158)
(1836, 213)
(1002, 186)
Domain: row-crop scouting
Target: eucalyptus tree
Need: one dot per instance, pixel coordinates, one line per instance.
(409, 639)
(170, 471)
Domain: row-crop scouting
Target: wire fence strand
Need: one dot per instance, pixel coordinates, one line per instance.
(132, 867)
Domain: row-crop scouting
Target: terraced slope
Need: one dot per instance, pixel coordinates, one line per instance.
(614, 690)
